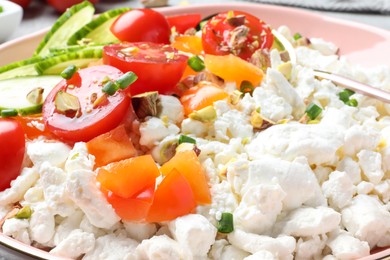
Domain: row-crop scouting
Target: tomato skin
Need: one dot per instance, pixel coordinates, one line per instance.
(91, 123)
(183, 22)
(22, 3)
(61, 5)
(217, 35)
(155, 71)
(173, 198)
(131, 209)
(141, 25)
(12, 150)
(128, 177)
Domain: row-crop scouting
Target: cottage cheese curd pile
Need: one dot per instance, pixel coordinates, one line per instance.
(317, 190)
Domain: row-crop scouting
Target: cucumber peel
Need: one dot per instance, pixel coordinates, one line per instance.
(20, 68)
(98, 30)
(68, 23)
(56, 64)
(13, 93)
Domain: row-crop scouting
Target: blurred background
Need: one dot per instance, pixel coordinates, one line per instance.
(39, 14)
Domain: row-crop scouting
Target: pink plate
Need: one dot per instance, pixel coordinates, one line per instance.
(360, 43)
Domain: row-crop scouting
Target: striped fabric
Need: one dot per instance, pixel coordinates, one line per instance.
(366, 6)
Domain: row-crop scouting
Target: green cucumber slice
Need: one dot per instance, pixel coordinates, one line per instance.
(68, 23)
(73, 48)
(20, 68)
(98, 30)
(13, 93)
(56, 64)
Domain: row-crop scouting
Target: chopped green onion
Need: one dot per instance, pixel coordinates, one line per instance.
(246, 87)
(186, 139)
(126, 79)
(1, 9)
(110, 88)
(24, 213)
(345, 95)
(9, 113)
(297, 36)
(225, 224)
(352, 102)
(196, 63)
(69, 72)
(313, 111)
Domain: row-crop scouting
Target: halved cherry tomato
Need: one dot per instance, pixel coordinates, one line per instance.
(135, 208)
(200, 96)
(159, 67)
(12, 145)
(33, 126)
(141, 25)
(187, 163)
(231, 68)
(61, 5)
(129, 177)
(183, 22)
(236, 32)
(92, 119)
(173, 198)
(111, 147)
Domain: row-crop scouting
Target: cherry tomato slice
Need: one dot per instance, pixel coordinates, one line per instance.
(93, 118)
(183, 22)
(12, 145)
(159, 67)
(141, 25)
(131, 209)
(173, 198)
(236, 32)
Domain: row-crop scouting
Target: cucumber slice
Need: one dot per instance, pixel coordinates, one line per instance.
(20, 68)
(68, 23)
(73, 48)
(56, 64)
(98, 30)
(13, 93)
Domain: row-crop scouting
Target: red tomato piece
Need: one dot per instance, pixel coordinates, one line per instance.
(22, 3)
(236, 32)
(183, 22)
(61, 5)
(159, 67)
(187, 163)
(132, 209)
(141, 25)
(91, 120)
(111, 147)
(128, 177)
(173, 198)
(12, 145)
